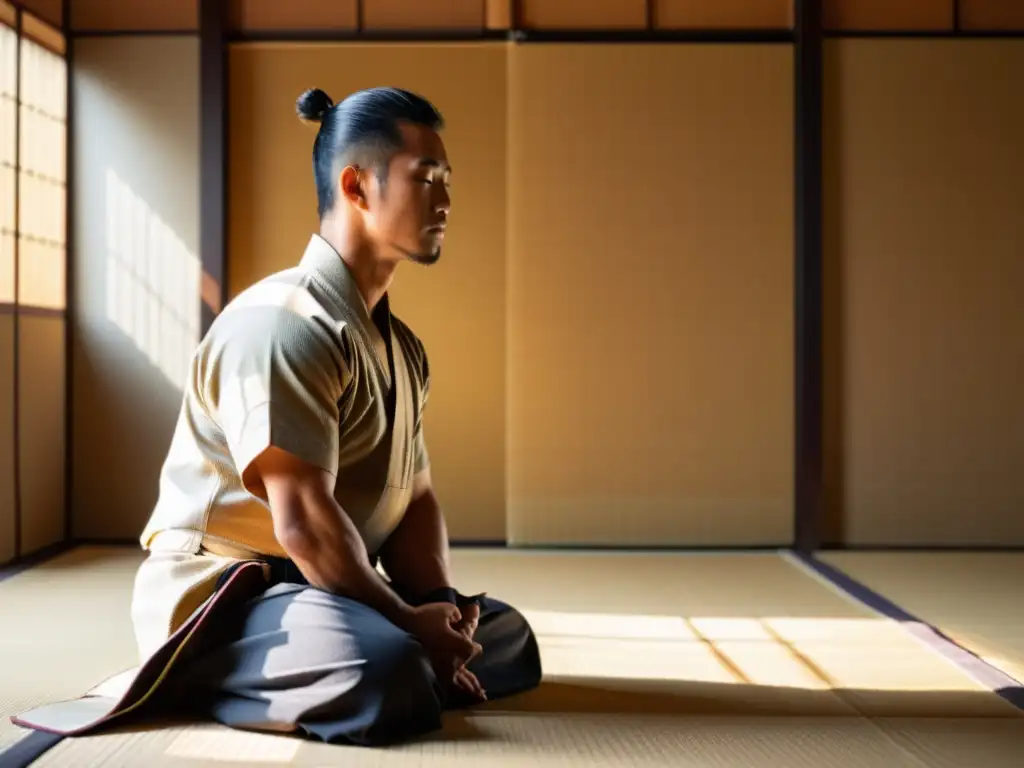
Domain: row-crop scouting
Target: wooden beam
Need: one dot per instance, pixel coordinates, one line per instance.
(808, 310)
(213, 188)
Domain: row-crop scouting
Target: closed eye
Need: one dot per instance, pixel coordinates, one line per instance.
(429, 182)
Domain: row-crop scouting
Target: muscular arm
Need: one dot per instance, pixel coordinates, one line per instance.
(318, 535)
(415, 556)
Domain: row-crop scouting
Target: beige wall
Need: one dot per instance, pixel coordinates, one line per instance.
(925, 271)
(650, 300)
(456, 307)
(628, 421)
(619, 273)
(136, 233)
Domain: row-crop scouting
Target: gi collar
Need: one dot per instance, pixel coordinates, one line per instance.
(321, 258)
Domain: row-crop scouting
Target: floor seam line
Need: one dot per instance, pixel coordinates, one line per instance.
(928, 635)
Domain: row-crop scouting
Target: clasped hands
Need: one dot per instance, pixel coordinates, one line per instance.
(446, 632)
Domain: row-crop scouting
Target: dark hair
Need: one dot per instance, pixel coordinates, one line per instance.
(364, 128)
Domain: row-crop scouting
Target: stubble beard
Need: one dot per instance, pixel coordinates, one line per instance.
(419, 257)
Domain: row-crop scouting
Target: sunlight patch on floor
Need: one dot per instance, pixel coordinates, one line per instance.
(233, 746)
(869, 654)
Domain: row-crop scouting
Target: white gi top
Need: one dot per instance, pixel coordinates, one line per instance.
(296, 362)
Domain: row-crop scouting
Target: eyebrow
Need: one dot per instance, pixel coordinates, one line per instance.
(429, 162)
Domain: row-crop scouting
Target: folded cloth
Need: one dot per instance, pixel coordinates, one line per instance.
(510, 665)
(81, 716)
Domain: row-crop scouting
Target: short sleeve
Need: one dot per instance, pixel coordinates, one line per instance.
(421, 459)
(274, 379)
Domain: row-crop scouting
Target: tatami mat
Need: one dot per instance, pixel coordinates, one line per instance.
(619, 741)
(650, 659)
(66, 627)
(975, 598)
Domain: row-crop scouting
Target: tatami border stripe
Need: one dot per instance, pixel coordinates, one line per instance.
(25, 752)
(929, 635)
(39, 557)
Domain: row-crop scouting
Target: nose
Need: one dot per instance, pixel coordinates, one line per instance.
(443, 202)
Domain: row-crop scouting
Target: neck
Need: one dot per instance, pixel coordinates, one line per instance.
(371, 273)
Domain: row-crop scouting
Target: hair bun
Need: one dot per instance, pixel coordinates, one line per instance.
(313, 104)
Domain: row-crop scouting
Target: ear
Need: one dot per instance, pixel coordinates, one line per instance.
(351, 184)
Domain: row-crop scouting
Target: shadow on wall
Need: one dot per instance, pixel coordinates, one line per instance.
(136, 274)
(152, 282)
(132, 363)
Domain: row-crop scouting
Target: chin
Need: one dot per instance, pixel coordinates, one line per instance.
(427, 257)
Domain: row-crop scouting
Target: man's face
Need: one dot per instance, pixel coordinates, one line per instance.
(408, 213)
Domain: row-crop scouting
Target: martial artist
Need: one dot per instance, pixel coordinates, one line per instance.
(300, 444)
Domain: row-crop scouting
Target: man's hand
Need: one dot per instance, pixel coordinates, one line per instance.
(415, 556)
(467, 681)
(449, 650)
(447, 636)
(470, 620)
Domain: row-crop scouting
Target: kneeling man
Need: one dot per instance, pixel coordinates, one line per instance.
(300, 445)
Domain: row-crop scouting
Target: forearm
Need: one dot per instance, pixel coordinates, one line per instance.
(327, 549)
(416, 555)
